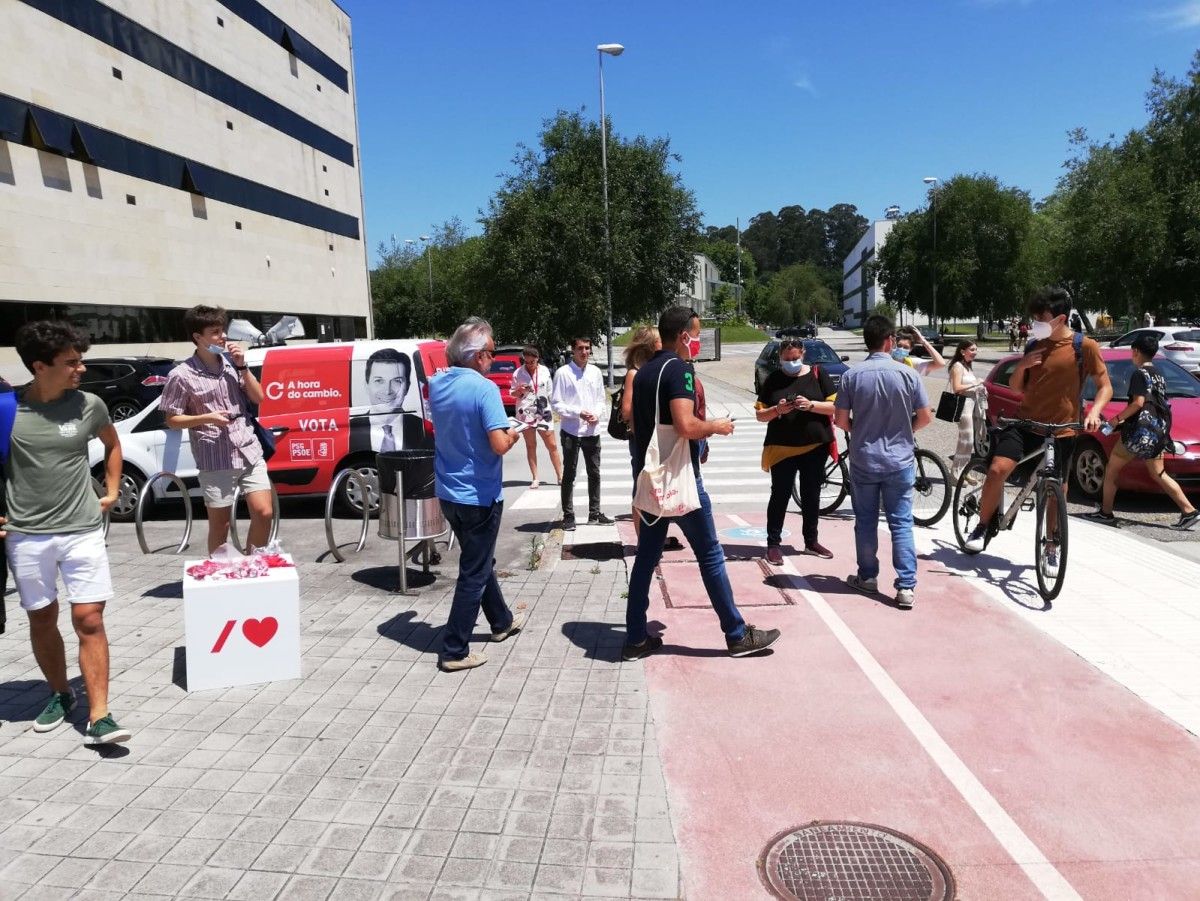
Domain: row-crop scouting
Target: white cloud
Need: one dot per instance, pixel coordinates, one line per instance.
(1182, 16)
(804, 83)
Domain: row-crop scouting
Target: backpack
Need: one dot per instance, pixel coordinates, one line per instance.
(1148, 434)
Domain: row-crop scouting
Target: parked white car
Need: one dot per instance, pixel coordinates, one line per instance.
(1178, 343)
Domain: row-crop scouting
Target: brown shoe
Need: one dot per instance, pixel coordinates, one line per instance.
(469, 662)
(818, 550)
(774, 556)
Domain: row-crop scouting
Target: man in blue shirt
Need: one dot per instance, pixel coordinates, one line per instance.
(472, 435)
(888, 404)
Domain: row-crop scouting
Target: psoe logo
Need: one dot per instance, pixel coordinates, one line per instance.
(301, 449)
(68, 429)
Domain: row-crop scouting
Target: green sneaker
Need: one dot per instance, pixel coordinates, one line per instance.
(105, 731)
(55, 712)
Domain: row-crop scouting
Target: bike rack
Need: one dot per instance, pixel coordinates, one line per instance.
(140, 516)
(233, 526)
(100, 492)
(364, 488)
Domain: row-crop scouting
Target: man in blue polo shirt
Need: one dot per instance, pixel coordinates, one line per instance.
(888, 404)
(472, 435)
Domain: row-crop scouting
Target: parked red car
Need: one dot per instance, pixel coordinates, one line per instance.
(1092, 450)
(506, 362)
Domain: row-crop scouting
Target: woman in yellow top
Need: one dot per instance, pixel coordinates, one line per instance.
(796, 402)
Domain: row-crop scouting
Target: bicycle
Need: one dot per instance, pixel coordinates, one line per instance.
(1050, 544)
(931, 486)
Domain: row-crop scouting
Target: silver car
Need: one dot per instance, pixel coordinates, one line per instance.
(1178, 343)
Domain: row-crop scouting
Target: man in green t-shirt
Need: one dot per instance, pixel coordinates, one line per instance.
(54, 523)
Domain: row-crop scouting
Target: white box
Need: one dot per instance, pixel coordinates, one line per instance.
(241, 631)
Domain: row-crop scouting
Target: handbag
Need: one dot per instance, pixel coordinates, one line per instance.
(266, 438)
(617, 427)
(950, 407)
(666, 486)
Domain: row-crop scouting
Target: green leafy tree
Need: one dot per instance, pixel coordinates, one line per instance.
(542, 263)
(800, 290)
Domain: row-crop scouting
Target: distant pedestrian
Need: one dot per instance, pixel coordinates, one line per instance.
(888, 405)
(531, 386)
(1013, 335)
(1147, 320)
(473, 435)
(1147, 415)
(579, 399)
(55, 521)
(796, 402)
(664, 393)
(210, 394)
(964, 382)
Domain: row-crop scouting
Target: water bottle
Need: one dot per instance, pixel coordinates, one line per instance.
(1106, 429)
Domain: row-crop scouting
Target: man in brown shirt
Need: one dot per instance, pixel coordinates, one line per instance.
(1052, 381)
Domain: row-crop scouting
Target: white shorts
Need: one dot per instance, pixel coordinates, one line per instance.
(220, 484)
(80, 557)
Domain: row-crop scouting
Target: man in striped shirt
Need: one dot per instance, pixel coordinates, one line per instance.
(209, 394)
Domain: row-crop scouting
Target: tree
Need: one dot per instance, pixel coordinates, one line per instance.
(542, 264)
(800, 291)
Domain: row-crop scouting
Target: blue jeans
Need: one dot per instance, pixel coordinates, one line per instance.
(476, 529)
(895, 490)
(698, 529)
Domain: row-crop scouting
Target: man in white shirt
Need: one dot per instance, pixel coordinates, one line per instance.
(578, 398)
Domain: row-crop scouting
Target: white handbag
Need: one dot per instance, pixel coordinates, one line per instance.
(666, 486)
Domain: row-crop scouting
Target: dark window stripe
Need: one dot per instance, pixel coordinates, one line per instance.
(124, 34)
(849, 272)
(108, 150)
(257, 15)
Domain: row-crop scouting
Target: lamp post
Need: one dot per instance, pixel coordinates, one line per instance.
(611, 50)
(933, 182)
(429, 262)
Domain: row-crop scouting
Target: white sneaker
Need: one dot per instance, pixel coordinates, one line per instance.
(518, 623)
(976, 540)
(1050, 563)
(904, 598)
(868, 586)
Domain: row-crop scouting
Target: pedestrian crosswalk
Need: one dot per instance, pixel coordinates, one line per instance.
(732, 476)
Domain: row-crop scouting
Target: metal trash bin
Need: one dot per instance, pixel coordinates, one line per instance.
(411, 470)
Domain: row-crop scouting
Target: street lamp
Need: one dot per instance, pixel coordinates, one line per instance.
(429, 262)
(611, 50)
(932, 181)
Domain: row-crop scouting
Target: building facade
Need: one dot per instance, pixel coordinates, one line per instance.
(157, 154)
(860, 293)
(706, 282)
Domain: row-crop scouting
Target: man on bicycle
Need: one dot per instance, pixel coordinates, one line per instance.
(1051, 375)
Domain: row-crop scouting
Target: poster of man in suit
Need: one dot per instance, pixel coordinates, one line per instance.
(384, 388)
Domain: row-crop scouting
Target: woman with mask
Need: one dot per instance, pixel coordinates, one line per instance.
(531, 386)
(796, 402)
(906, 339)
(964, 381)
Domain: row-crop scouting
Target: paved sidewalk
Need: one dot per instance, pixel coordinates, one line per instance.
(374, 775)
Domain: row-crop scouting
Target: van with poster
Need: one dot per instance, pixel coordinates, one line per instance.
(331, 407)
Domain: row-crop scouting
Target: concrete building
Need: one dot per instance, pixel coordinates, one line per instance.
(706, 281)
(156, 154)
(860, 294)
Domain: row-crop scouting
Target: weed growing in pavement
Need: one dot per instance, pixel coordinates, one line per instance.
(595, 570)
(536, 546)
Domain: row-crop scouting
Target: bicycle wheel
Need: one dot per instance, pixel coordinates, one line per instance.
(1050, 553)
(833, 489)
(931, 488)
(968, 493)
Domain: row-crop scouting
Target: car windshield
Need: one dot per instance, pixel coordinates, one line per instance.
(819, 352)
(1179, 382)
(503, 367)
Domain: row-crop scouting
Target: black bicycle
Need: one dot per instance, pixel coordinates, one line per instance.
(931, 485)
(1042, 490)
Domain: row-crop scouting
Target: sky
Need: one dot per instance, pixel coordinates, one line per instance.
(768, 104)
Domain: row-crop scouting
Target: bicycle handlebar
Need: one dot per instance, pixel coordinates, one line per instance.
(1034, 425)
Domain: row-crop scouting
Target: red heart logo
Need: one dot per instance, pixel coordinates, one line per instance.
(260, 631)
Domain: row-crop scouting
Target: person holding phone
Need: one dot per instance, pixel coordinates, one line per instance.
(796, 402)
(209, 394)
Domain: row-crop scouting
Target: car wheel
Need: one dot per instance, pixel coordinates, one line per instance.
(123, 409)
(350, 496)
(130, 491)
(1088, 468)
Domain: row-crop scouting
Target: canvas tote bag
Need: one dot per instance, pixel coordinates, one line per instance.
(666, 486)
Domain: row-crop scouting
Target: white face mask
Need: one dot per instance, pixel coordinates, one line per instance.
(1040, 330)
(216, 349)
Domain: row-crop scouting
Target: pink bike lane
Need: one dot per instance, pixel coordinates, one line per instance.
(1027, 770)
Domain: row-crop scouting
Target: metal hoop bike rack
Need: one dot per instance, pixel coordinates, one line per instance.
(140, 516)
(233, 526)
(104, 517)
(364, 489)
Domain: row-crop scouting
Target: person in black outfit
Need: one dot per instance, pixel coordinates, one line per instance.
(796, 402)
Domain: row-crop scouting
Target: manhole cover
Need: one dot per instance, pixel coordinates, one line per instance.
(853, 862)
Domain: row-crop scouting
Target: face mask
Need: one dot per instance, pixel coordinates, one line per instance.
(792, 367)
(899, 354)
(216, 349)
(1040, 330)
(694, 348)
